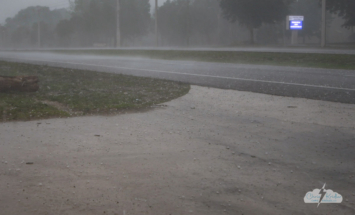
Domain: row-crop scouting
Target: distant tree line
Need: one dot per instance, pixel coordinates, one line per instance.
(181, 22)
(94, 21)
(22, 29)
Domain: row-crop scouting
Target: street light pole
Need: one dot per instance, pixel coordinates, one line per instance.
(156, 23)
(118, 30)
(188, 23)
(324, 24)
(39, 28)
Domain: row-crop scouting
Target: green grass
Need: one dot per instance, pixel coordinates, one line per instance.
(66, 93)
(330, 61)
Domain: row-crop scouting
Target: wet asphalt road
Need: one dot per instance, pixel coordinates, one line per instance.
(320, 84)
(315, 50)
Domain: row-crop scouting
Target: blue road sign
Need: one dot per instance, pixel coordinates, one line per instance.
(296, 25)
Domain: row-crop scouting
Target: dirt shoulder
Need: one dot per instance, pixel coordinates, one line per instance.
(209, 152)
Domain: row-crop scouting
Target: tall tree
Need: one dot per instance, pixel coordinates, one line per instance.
(312, 13)
(135, 18)
(175, 21)
(97, 19)
(2, 36)
(64, 30)
(345, 9)
(21, 36)
(253, 13)
(205, 18)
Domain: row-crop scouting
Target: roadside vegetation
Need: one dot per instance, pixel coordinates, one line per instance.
(68, 93)
(330, 61)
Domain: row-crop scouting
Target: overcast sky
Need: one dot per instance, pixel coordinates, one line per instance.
(9, 8)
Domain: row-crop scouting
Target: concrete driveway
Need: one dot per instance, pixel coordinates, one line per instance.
(210, 152)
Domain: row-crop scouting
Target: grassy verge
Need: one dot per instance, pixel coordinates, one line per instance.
(66, 92)
(331, 61)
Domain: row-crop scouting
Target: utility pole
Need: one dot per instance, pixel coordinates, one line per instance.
(219, 26)
(156, 23)
(118, 29)
(188, 23)
(39, 28)
(2, 34)
(284, 34)
(324, 24)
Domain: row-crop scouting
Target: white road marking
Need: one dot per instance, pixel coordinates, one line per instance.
(198, 75)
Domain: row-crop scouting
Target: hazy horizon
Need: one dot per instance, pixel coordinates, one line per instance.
(11, 8)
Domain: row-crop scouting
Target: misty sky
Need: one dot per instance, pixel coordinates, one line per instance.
(9, 8)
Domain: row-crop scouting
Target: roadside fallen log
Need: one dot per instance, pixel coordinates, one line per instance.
(19, 83)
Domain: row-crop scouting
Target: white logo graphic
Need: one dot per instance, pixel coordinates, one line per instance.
(323, 196)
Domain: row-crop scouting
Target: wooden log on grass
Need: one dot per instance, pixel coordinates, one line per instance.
(19, 83)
